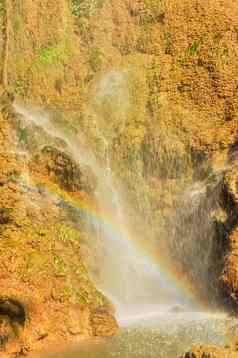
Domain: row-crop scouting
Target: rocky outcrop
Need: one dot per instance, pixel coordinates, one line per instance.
(46, 293)
(6, 21)
(103, 323)
(175, 66)
(62, 168)
(229, 277)
(211, 352)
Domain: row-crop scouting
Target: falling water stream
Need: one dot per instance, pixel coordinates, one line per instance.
(158, 318)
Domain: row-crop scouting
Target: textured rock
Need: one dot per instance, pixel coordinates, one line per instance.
(46, 293)
(103, 323)
(179, 68)
(229, 277)
(67, 172)
(210, 352)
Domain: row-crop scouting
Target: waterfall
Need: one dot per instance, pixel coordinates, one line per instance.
(135, 282)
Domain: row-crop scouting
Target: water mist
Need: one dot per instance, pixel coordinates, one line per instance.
(137, 284)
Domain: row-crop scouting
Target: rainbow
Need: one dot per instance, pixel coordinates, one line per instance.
(104, 219)
(91, 212)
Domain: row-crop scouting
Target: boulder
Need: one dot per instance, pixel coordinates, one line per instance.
(103, 323)
(67, 172)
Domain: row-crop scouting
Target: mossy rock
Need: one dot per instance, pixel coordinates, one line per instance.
(67, 172)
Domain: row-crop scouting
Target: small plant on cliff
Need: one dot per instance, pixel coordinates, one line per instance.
(85, 8)
(47, 56)
(23, 135)
(13, 176)
(81, 299)
(193, 48)
(5, 215)
(60, 269)
(59, 85)
(151, 11)
(66, 233)
(190, 53)
(96, 59)
(20, 87)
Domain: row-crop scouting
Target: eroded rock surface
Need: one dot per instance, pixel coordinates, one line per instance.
(46, 293)
(229, 277)
(211, 352)
(175, 67)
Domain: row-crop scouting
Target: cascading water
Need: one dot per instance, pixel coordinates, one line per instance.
(134, 282)
(144, 294)
(137, 284)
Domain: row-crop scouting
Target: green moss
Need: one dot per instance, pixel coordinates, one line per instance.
(68, 292)
(42, 232)
(36, 157)
(85, 8)
(143, 39)
(36, 261)
(96, 59)
(9, 244)
(59, 85)
(23, 135)
(81, 299)
(21, 87)
(60, 268)
(13, 176)
(191, 51)
(151, 11)
(23, 222)
(6, 215)
(66, 233)
(50, 55)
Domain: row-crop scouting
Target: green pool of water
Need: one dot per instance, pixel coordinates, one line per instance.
(166, 336)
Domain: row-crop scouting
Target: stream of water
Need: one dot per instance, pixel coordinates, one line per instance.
(157, 317)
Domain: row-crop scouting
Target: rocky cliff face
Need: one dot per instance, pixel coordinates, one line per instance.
(46, 293)
(211, 352)
(159, 80)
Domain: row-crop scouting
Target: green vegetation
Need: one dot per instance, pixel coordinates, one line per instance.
(85, 8)
(143, 39)
(96, 59)
(5, 215)
(151, 11)
(59, 85)
(36, 261)
(66, 233)
(23, 135)
(60, 268)
(50, 55)
(81, 299)
(21, 87)
(13, 176)
(36, 157)
(193, 48)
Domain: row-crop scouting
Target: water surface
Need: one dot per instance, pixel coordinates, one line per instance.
(165, 335)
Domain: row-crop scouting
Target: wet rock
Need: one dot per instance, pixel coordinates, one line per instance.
(13, 310)
(6, 101)
(40, 278)
(229, 276)
(103, 323)
(210, 352)
(79, 323)
(5, 330)
(5, 215)
(67, 172)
